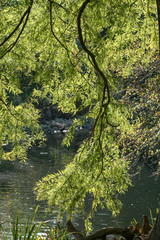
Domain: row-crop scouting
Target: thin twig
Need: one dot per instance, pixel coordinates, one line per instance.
(51, 26)
(5, 104)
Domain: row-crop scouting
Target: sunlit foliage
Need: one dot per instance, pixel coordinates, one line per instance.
(77, 52)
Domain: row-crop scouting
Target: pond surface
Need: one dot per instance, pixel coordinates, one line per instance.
(17, 181)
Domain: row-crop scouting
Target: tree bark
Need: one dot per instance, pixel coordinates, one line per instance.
(77, 234)
(127, 233)
(124, 232)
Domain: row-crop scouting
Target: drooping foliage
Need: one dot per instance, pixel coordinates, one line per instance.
(75, 52)
(142, 93)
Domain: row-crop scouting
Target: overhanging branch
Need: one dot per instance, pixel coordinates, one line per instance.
(26, 14)
(92, 56)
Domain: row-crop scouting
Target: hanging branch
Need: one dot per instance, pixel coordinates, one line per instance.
(55, 36)
(92, 56)
(26, 14)
(102, 111)
(51, 26)
(9, 110)
(96, 67)
(59, 41)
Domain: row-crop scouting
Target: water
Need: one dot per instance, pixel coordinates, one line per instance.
(17, 181)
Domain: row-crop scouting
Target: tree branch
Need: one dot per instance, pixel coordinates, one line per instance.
(92, 58)
(70, 228)
(18, 25)
(51, 26)
(59, 5)
(124, 232)
(9, 110)
(26, 14)
(91, 55)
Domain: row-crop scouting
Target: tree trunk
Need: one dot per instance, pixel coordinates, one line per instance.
(127, 233)
(77, 234)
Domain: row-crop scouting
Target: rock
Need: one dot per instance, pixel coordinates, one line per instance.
(58, 125)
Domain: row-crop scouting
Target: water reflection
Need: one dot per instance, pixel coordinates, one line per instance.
(139, 200)
(17, 181)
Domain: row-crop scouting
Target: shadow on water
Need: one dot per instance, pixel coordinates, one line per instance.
(17, 181)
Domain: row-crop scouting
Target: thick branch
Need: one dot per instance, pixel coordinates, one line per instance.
(124, 232)
(70, 228)
(91, 55)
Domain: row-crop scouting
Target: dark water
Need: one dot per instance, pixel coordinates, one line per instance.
(17, 181)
